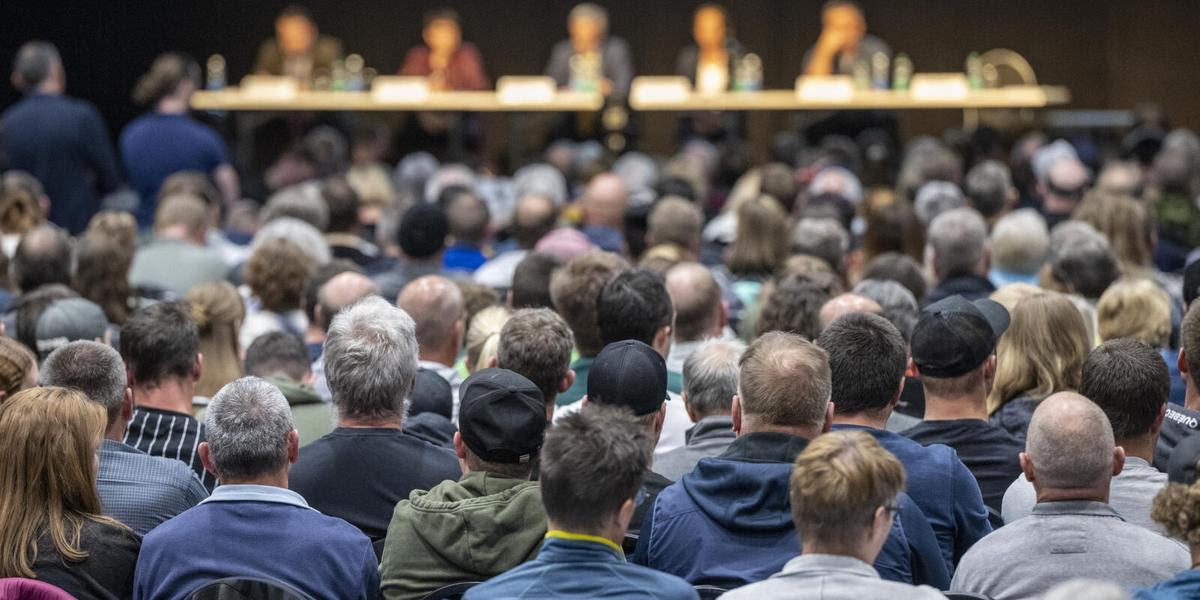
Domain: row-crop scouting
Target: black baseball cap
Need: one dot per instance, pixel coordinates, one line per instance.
(501, 416)
(628, 373)
(954, 336)
(431, 394)
(1181, 467)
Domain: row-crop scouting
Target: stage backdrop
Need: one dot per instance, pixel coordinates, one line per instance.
(1110, 53)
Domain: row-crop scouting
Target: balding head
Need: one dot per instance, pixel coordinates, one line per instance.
(534, 217)
(1066, 181)
(604, 201)
(1069, 452)
(341, 291)
(846, 304)
(436, 305)
(699, 313)
(43, 256)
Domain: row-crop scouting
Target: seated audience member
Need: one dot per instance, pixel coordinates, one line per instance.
(492, 518)
(1128, 381)
(276, 276)
(1062, 184)
(218, 311)
(68, 320)
(957, 247)
(845, 304)
(954, 354)
(896, 302)
(1073, 531)
(102, 275)
(252, 525)
(739, 498)
(935, 197)
(436, 306)
(281, 360)
(422, 240)
(361, 469)
(468, 219)
(710, 381)
(1019, 243)
(177, 259)
(22, 207)
(533, 217)
(298, 49)
(18, 368)
(1080, 261)
(135, 488)
(574, 289)
(1179, 422)
(591, 469)
(677, 222)
(700, 314)
(26, 310)
(483, 334)
(344, 232)
(990, 191)
(531, 281)
(161, 349)
(759, 248)
(844, 492)
(1042, 352)
(43, 257)
(824, 238)
(318, 322)
(604, 202)
(901, 268)
(339, 291)
(794, 306)
(1139, 309)
(1176, 510)
(429, 407)
(302, 202)
(536, 343)
(54, 530)
(868, 359)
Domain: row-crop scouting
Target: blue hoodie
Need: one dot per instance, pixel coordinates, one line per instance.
(729, 522)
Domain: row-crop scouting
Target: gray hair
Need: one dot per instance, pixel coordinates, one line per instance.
(822, 237)
(302, 201)
(1020, 242)
(989, 185)
(710, 376)
(958, 239)
(371, 360)
(839, 181)
(1070, 442)
(248, 423)
(304, 235)
(935, 198)
(899, 305)
(92, 368)
(1081, 257)
(589, 10)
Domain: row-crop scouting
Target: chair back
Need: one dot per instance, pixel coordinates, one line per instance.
(18, 588)
(246, 588)
(966, 596)
(709, 592)
(454, 591)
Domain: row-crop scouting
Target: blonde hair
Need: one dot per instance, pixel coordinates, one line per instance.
(1124, 221)
(277, 274)
(186, 210)
(1137, 309)
(218, 311)
(15, 362)
(1042, 352)
(48, 437)
(762, 238)
(118, 226)
(1009, 295)
(484, 326)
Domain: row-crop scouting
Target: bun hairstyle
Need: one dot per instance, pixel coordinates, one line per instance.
(165, 74)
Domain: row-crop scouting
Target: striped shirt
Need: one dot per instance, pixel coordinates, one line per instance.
(171, 435)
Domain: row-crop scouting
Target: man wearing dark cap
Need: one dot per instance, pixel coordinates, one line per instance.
(492, 518)
(954, 354)
(634, 375)
(422, 240)
(70, 320)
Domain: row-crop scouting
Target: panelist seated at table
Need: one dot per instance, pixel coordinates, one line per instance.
(710, 64)
(449, 63)
(298, 49)
(843, 40)
(591, 60)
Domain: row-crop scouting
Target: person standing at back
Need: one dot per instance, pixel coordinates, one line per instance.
(61, 141)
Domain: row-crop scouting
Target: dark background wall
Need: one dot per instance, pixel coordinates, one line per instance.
(1110, 53)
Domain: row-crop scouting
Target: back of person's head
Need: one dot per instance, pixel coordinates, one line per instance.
(166, 74)
(634, 305)
(935, 198)
(1020, 242)
(43, 256)
(218, 312)
(989, 188)
(193, 183)
(49, 437)
(28, 309)
(20, 202)
(298, 232)
(898, 305)
(593, 461)
(534, 217)
(249, 430)
(371, 360)
(102, 274)
(321, 275)
(674, 220)
(537, 344)
(892, 228)
(277, 273)
(1042, 352)
(158, 343)
(467, 215)
(900, 268)
(92, 368)
(1124, 221)
(277, 355)
(1189, 341)
(697, 301)
(838, 485)
(958, 242)
(1070, 443)
(484, 329)
(710, 377)
(339, 291)
(1135, 308)
(342, 203)
(17, 367)
(303, 202)
(574, 290)
(436, 305)
(867, 357)
(784, 381)
(423, 230)
(932, 162)
(823, 238)
(531, 280)
(762, 238)
(1082, 260)
(844, 304)
(34, 63)
(1130, 382)
(184, 211)
(794, 307)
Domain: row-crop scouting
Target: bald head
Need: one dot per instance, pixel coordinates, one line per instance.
(846, 304)
(341, 291)
(1066, 181)
(1069, 452)
(699, 313)
(604, 201)
(534, 217)
(436, 305)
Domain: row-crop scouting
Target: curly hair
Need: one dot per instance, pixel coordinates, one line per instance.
(1177, 509)
(277, 273)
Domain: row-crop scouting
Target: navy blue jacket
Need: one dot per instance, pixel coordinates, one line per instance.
(581, 568)
(729, 522)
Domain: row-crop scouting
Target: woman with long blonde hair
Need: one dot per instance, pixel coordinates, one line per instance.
(1042, 352)
(53, 529)
(218, 311)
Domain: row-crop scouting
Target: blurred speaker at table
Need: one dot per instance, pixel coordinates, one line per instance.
(843, 41)
(714, 63)
(298, 49)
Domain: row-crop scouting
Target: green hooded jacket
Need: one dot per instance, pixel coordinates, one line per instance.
(467, 530)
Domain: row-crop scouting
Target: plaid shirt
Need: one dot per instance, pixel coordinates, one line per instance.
(142, 491)
(170, 435)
